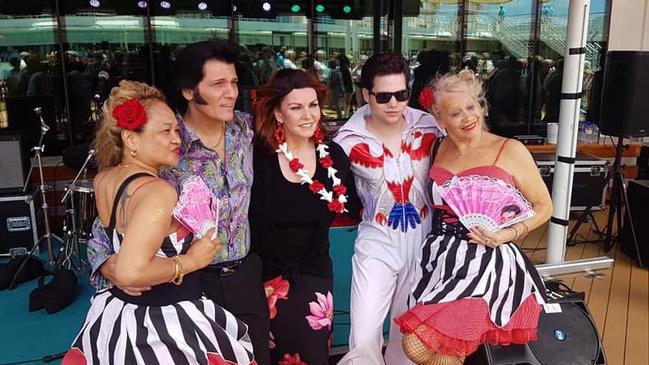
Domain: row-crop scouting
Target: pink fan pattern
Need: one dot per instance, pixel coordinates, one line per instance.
(484, 201)
(197, 207)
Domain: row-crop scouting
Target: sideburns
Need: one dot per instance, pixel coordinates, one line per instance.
(198, 99)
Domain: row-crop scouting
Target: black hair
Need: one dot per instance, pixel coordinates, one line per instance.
(382, 64)
(191, 60)
(511, 208)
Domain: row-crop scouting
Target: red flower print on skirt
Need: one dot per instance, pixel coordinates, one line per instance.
(275, 289)
(292, 360)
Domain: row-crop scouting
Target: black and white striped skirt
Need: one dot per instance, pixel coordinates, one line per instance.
(117, 332)
(451, 268)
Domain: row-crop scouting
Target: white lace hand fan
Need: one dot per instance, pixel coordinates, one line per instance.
(484, 201)
(197, 207)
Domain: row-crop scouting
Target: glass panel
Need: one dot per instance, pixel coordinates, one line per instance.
(271, 43)
(342, 45)
(499, 49)
(192, 22)
(430, 40)
(106, 43)
(31, 74)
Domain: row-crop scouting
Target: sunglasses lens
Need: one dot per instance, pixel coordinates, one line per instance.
(383, 98)
(401, 95)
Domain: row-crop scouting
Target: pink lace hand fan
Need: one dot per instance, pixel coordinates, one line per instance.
(484, 201)
(197, 207)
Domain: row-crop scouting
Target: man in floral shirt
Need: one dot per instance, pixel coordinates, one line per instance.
(217, 146)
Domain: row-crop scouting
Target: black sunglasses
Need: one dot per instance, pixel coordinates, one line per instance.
(384, 97)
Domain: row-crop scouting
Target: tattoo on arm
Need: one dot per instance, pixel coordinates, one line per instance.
(121, 218)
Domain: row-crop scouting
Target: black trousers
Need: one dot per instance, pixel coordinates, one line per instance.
(242, 293)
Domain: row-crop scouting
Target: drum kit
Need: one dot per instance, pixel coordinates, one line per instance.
(80, 214)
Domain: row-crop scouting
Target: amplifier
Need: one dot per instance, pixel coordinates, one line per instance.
(566, 336)
(18, 227)
(13, 164)
(588, 181)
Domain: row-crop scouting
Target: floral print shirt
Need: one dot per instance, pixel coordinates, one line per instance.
(230, 179)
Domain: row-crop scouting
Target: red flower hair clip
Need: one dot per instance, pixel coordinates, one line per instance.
(130, 114)
(426, 98)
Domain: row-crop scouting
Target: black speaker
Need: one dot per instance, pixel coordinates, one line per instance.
(13, 164)
(624, 108)
(568, 337)
(638, 193)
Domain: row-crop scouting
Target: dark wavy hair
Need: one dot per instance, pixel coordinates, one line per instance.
(270, 96)
(382, 64)
(191, 59)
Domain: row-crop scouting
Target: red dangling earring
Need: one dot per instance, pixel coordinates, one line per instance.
(280, 135)
(318, 135)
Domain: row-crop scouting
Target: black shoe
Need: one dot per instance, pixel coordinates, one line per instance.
(55, 295)
(33, 269)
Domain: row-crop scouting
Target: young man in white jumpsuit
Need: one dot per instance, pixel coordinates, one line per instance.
(389, 146)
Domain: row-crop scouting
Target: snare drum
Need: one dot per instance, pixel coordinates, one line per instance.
(82, 199)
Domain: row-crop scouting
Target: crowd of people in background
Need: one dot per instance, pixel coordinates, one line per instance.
(520, 92)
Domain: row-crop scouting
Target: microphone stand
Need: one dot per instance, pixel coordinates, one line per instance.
(38, 149)
(72, 238)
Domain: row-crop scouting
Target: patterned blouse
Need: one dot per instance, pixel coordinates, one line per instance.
(229, 179)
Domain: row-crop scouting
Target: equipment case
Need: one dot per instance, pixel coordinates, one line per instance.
(18, 226)
(588, 181)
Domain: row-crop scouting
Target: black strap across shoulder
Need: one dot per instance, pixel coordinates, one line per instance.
(120, 191)
(438, 142)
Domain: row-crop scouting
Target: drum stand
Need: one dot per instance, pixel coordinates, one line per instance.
(38, 149)
(70, 256)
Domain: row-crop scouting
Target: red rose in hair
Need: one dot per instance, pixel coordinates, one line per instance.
(295, 165)
(130, 114)
(340, 189)
(336, 206)
(326, 162)
(316, 186)
(426, 98)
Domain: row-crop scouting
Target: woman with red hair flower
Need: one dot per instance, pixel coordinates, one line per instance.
(171, 322)
(301, 183)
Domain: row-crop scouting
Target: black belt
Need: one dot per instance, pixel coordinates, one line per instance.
(226, 268)
(441, 228)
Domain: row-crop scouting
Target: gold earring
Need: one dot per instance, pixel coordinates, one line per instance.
(133, 153)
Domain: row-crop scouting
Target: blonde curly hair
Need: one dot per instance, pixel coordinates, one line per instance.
(465, 81)
(108, 142)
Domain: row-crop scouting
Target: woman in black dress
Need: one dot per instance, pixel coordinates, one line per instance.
(300, 184)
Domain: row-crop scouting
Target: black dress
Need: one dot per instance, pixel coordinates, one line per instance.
(290, 232)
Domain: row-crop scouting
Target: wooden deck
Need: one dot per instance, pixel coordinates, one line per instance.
(618, 298)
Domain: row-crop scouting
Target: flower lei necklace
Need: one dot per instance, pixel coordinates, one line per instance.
(336, 204)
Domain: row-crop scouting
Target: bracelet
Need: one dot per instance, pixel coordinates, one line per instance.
(526, 229)
(518, 235)
(179, 274)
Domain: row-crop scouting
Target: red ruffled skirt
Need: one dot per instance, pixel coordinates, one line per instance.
(457, 328)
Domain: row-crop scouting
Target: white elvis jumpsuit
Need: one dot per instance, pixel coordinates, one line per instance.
(396, 219)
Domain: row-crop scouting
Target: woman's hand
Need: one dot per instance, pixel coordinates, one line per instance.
(482, 236)
(202, 251)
